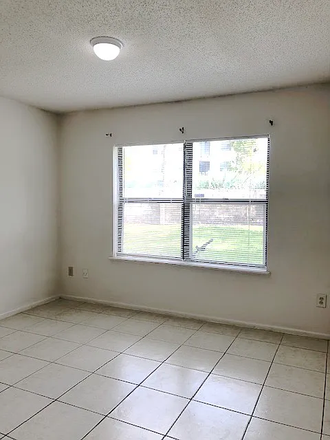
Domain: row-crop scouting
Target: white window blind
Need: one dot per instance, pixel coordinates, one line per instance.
(199, 201)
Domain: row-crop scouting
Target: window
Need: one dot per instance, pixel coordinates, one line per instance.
(205, 148)
(225, 146)
(204, 166)
(225, 165)
(170, 207)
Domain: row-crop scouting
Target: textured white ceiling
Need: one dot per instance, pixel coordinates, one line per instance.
(174, 49)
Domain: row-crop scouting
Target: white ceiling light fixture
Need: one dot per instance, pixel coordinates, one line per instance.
(106, 48)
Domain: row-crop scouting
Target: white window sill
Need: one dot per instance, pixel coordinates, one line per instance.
(225, 267)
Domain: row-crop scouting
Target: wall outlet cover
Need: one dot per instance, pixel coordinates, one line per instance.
(321, 300)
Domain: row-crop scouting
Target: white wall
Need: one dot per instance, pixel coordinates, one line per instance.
(28, 205)
(299, 221)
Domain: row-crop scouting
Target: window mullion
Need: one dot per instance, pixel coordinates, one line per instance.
(187, 196)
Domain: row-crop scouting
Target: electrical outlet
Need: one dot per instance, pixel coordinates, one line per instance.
(70, 271)
(321, 300)
(85, 273)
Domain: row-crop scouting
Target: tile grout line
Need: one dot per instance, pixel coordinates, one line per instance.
(234, 379)
(262, 388)
(95, 372)
(216, 406)
(324, 392)
(72, 308)
(56, 360)
(52, 399)
(285, 424)
(53, 362)
(208, 375)
(84, 323)
(166, 317)
(124, 352)
(26, 330)
(57, 363)
(54, 337)
(140, 384)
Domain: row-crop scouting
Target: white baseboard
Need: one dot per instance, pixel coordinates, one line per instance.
(288, 330)
(29, 306)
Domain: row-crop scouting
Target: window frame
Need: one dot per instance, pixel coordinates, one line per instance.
(186, 202)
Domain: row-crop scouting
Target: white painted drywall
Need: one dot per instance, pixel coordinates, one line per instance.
(299, 215)
(28, 205)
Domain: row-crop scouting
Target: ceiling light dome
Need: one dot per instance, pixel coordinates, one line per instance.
(106, 48)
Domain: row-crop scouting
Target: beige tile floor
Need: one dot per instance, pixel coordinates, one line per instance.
(72, 371)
